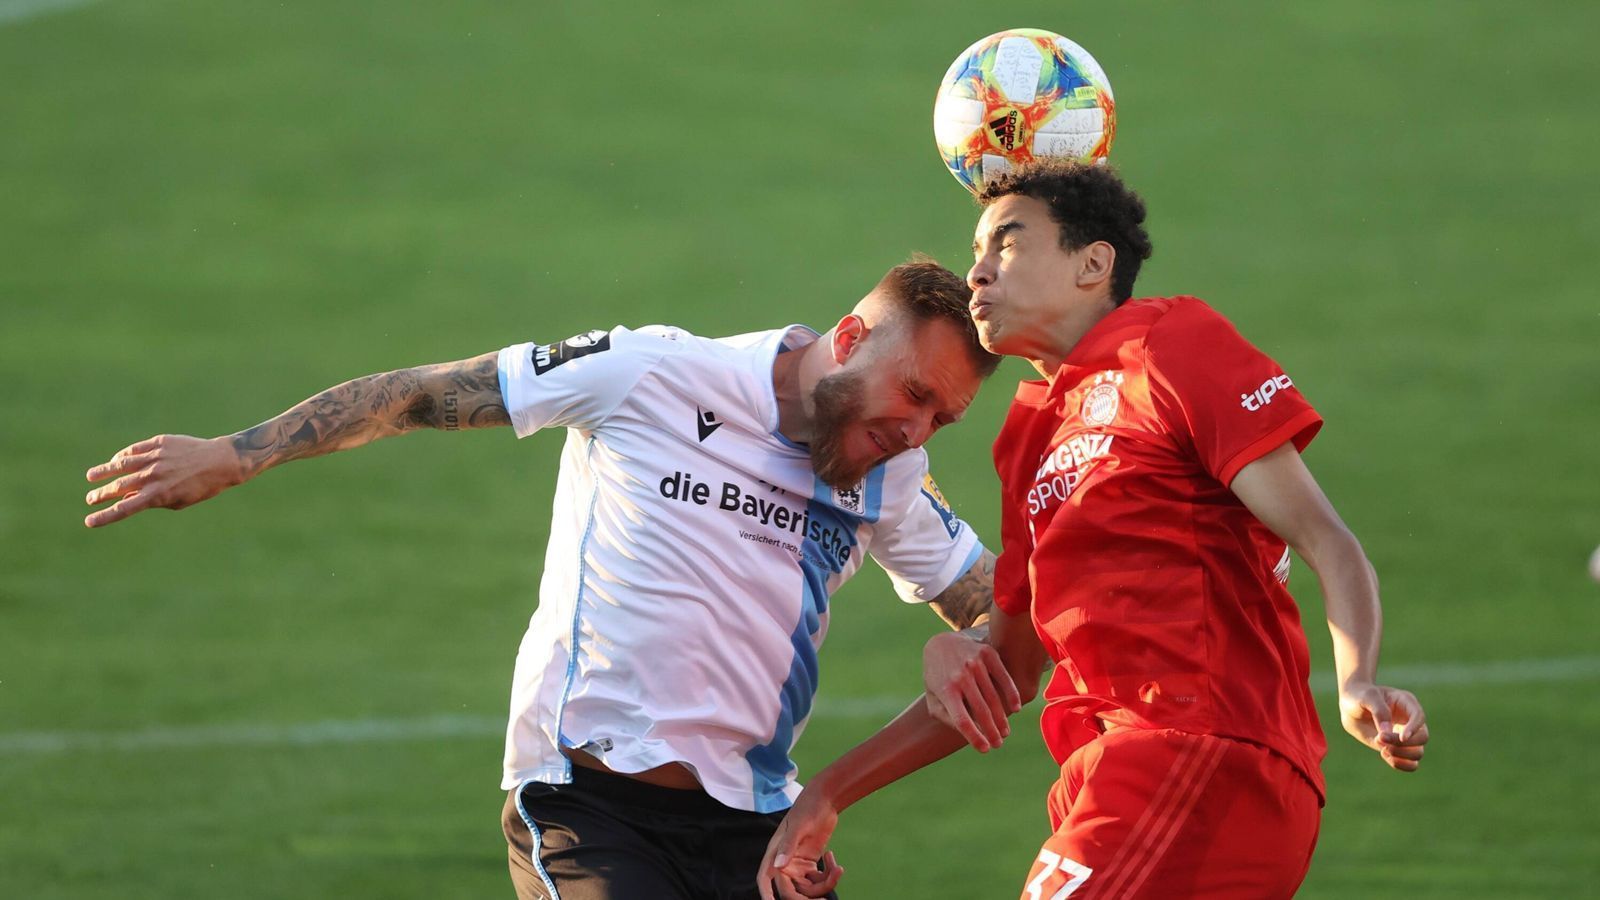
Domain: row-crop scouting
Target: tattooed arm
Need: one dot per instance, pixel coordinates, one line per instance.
(173, 471)
(966, 604)
(448, 396)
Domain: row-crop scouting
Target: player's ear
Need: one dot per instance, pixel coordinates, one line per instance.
(1095, 264)
(847, 337)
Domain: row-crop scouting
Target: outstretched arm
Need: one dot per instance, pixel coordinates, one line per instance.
(171, 471)
(913, 740)
(1281, 492)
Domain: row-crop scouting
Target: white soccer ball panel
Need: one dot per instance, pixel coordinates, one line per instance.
(1076, 121)
(955, 117)
(995, 165)
(1072, 145)
(1017, 63)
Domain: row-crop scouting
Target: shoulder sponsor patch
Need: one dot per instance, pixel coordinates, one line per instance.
(549, 356)
(930, 489)
(1263, 395)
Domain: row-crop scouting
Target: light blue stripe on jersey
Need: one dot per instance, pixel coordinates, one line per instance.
(972, 559)
(819, 560)
(874, 491)
(769, 763)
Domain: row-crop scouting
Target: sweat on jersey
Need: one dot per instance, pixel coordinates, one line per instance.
(692, 554)
(1161, 596)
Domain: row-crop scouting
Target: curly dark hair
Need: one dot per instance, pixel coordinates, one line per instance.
(1090, 203)
(924, 290)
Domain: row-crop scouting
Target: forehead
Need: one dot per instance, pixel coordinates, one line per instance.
(1019, 209)
(934, 354)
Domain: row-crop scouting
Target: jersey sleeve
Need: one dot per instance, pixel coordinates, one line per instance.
(575, 383)
(1229, 401)
(918, 539)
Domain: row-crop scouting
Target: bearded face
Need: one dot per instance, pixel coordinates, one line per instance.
(890, 398)
(839, 400)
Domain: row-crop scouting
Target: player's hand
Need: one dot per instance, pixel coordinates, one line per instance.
(815, 883)
(1386, 719)
(969, 689)
(797, 863)
(169, 471)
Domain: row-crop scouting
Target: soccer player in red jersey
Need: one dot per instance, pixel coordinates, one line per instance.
(1152, 486)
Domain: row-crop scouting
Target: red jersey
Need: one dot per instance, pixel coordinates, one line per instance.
(1160, 596)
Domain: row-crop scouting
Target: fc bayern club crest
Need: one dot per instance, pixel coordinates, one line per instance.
(1100, 404)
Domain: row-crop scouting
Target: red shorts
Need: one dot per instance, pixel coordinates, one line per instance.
(1171, 815)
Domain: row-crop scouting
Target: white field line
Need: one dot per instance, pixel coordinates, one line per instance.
(364, 731)
(21, 10)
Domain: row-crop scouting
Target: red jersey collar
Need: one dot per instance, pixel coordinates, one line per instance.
(1039, 392)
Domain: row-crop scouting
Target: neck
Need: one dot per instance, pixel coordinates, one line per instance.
(1064, 334)
(794, 374)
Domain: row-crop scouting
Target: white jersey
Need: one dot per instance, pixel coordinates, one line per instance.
(692, 553)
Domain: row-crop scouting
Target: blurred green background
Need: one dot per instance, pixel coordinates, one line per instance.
(210, 211)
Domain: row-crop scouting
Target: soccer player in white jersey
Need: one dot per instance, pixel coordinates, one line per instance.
(712, 495)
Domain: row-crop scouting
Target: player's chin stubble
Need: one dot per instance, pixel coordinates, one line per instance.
(838, 401)
(988, 335)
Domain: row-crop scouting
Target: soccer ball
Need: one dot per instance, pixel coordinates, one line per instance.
(1021, 95)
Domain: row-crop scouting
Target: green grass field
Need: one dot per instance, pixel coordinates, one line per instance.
(210, 211)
